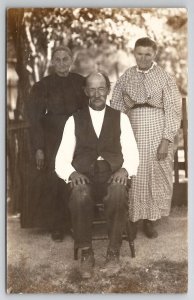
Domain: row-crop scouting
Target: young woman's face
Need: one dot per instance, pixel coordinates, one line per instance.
(144, 57)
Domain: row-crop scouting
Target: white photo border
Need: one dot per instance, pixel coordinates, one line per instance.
(4, 4)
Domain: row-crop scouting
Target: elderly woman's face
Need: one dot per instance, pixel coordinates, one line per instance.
(62, 62)
(144, 57)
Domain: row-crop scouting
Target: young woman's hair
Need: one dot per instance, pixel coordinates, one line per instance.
(146, 42)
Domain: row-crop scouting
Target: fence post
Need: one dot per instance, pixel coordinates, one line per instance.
(185, 129)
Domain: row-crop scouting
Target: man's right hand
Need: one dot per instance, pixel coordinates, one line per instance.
(39, 159)
(78, 178)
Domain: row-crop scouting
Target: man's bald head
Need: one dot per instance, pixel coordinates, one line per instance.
(96, 75)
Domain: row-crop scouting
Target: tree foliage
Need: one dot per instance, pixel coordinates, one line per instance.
(100, 38)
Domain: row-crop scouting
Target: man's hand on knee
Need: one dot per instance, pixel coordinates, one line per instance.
(119, 176)
(77, 179)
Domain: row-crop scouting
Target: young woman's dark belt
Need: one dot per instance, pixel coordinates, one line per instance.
(139, 105)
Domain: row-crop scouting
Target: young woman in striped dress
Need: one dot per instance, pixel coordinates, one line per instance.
(151, 99)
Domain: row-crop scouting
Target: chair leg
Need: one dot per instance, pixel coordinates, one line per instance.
(131, 230)
(132, 248)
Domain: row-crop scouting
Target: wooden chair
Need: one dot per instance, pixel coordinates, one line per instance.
(99, 230)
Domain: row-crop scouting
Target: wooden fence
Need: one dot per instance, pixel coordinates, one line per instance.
(180, 193)
(19, 168)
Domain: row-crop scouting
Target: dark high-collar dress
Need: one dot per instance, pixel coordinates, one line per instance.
(51, 101)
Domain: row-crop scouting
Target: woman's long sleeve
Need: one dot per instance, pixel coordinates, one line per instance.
(172, 109)
(117, 101)
(36, 109)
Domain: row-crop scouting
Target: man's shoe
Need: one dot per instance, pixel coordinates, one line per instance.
(57, 235)
(112, 263)
(87, 263)
(148, 228)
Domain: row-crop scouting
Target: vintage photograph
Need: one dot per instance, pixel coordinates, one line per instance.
(97, 150)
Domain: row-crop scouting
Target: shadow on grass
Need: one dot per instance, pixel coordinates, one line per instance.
(156, 277)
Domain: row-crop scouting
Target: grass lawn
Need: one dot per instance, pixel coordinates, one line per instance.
(36, 264)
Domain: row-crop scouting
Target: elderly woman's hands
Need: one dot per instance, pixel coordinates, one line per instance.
(39, 159)
(162, 151)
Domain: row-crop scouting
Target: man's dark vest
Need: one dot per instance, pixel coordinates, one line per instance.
(89, 147)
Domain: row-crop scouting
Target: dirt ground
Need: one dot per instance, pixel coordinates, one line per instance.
(36, 264)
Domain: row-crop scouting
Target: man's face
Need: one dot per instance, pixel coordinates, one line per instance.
(62, 63)
(144, 57)
(97, 91)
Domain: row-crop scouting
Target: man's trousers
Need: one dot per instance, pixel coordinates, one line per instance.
(82, 202)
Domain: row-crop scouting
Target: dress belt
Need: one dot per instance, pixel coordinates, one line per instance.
(139, 105)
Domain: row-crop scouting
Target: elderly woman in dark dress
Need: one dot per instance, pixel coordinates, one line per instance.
(150, 97)
(52, 100)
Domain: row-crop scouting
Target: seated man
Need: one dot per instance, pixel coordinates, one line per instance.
(101, 155)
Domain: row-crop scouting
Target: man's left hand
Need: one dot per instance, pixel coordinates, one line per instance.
(119, 176)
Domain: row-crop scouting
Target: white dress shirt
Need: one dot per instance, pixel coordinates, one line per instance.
(64, 157)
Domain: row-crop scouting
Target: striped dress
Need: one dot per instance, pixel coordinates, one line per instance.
(151, 191)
